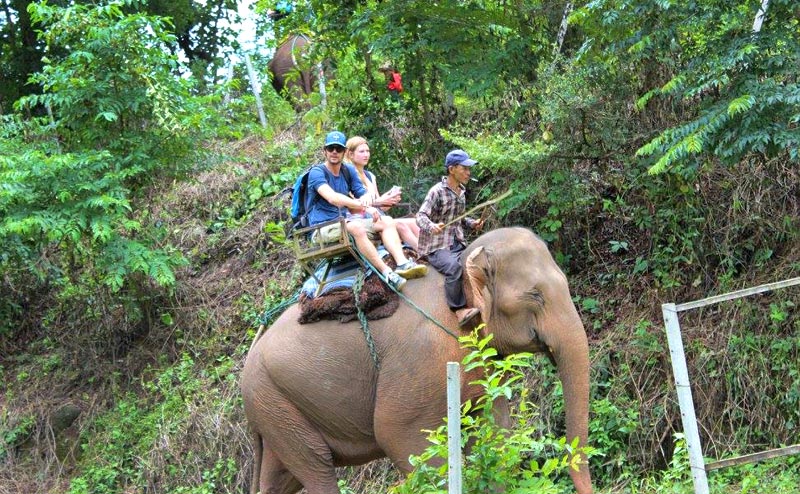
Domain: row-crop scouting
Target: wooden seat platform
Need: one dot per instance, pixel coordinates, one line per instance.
(310, 250)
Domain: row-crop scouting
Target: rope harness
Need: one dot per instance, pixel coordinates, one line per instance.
(295, 38)
(400, 294)
(362, 317)
(268, 315)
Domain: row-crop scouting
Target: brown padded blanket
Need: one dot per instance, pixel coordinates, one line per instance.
(376, 300)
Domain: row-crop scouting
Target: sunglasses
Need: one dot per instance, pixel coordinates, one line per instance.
(334, 147)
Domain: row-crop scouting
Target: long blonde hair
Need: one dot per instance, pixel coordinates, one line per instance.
(351, 146)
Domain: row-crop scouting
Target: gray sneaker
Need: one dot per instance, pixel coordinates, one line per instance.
(395, 281)
(410, 270)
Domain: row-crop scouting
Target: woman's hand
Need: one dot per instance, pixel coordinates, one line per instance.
(388, 200)
(366, 201)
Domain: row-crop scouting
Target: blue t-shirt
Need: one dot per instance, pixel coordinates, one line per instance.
(321, 210)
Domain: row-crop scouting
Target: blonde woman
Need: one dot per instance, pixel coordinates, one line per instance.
(358, 154)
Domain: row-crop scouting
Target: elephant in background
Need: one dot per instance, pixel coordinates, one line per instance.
(314, 400)
(291, 75)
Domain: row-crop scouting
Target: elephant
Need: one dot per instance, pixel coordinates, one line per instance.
(315, 400)
(291, 76)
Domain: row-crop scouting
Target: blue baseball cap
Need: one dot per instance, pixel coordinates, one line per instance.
(457, 157)
(335, 138)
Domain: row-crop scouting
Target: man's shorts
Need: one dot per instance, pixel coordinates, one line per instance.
(332, 233)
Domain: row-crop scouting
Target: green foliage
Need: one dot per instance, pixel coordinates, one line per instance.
(113, 87)
(613, 426)
(120, 119)
(577, 108)
(676, 479)
(20, 52)
(76, 202)
(777, 476)
(125, 431)
(203, 31)
(238, 116)
(140, 441)
(215, 479)
(516, 460)
(749, 100)
(710, 106)
(435, 46)
(13, 432)
(544, 190)
(425, 39)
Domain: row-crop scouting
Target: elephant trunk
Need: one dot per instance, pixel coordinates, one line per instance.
(572, 362)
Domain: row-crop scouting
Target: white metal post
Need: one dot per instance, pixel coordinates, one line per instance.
(256, 88)
(453, 428)
(681, 374)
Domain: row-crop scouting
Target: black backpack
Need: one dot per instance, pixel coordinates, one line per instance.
(301, 204)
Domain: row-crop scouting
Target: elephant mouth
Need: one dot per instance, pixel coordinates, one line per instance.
(536, 344)
(527, 340)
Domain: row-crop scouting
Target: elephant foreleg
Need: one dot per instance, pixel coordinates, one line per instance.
(272, 475)
(401, 440)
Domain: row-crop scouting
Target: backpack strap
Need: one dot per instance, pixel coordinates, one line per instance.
(310, 202)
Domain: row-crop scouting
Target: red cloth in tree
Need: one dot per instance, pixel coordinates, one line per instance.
(395, 82)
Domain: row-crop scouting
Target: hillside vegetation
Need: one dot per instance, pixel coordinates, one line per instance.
(142, 225)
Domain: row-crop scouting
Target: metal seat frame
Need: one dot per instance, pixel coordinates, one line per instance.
(310, 253)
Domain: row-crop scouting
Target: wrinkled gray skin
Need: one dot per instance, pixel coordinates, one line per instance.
(290, 71)
(315, 401)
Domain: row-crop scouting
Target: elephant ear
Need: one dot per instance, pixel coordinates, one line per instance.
(477, 281)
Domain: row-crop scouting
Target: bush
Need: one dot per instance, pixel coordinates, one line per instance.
(119, 120)
(515, 461)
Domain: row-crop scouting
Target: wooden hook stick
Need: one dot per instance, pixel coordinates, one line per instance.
(479, 206)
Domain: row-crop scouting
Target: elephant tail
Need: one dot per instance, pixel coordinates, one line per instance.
(258, 457)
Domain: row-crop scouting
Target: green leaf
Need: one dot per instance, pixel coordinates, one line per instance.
(108, 116)
(741, 104)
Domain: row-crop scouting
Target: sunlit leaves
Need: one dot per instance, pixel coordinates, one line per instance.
(740, 104)
(108, 74)
(674, 84)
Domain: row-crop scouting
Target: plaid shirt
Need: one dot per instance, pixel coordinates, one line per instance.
(442, 205)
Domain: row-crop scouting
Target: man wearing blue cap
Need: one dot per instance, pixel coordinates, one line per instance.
(441, 241)
(329, 194)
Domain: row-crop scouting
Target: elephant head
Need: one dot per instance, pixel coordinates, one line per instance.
(525, 301)
(315, 400)
(291, 74)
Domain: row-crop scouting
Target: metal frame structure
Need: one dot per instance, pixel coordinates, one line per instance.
(682, 386)
(310, 252)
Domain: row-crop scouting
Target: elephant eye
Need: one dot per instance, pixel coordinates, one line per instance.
(532, 296)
